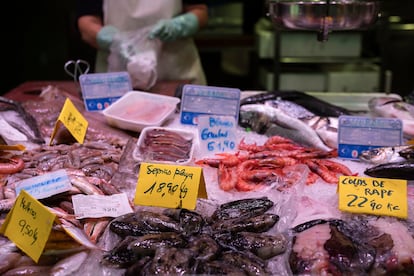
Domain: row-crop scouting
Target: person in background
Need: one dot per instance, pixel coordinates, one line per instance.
(173, 22)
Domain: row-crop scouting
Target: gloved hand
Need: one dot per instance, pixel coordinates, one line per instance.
(171, 29)
(105, 37)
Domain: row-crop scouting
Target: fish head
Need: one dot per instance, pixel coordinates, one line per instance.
(255, 118)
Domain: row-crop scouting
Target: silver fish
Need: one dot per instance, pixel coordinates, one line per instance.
(20, 122)
(291, 108)
(326, 128)
(391, 107)
(69, 264)
(273, 121)
(382, 155)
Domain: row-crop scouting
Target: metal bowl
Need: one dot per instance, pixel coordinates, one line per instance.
(323, 16)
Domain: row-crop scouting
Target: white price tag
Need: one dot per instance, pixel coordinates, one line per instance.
(98, 206)
(217, 134)
(45, 185)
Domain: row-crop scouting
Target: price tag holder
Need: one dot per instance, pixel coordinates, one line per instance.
(358, 133)
(100, 90)
(28, 225)
(169, 186)
(217, 134)
(45, 185)
(98, 206)
(199, 100)
(376, 196)
(73, 120)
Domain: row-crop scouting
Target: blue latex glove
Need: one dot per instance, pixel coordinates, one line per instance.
(172, 29)
(105, 37)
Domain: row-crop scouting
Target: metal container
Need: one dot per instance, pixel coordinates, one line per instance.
(323, 16)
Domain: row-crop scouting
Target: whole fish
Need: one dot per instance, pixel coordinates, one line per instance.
(18, 118)
(313, 104)
(382, 155)
(269, 120)
(391, 107)
(69, 265)
(291, 108)
(393, 170)
(407, 153)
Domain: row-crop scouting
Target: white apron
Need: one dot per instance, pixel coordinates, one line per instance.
(179, 60)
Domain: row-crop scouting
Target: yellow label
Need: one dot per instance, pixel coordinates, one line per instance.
(28, 225)
(73, 120)
(17, 147)
(377, 196)
(169, 186)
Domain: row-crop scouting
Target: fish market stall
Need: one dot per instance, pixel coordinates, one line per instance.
(271, 205)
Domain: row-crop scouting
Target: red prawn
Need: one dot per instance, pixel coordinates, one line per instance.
(337, 167)
(322, 171)
(227, 159)
(12, 165)
(227, 177)
(276, 139)
(250, 147)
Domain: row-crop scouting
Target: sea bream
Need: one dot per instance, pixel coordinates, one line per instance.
(266, 119)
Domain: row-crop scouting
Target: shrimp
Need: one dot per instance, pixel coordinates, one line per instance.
(12, 165)
(322, 171)
(276, 139)
(336, 167)
(250, 147)
(227, 159)
(227, 177)
(274, 153)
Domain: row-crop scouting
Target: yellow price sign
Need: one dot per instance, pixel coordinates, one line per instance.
(28, 225)
(377, 196)
(170, 186)
(73, 120)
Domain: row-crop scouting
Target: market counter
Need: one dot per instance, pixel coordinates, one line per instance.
(30, 90)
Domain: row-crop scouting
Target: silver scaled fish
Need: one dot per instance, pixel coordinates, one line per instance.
(382, 155)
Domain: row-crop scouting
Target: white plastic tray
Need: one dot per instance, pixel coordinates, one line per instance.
(140, 155)
(136, 110)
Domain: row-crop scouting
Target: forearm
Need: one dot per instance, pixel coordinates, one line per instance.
(89, 26)
(200, 11)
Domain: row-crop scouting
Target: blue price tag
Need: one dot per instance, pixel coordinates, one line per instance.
(100, 90)
(199, 100)
(356, 134)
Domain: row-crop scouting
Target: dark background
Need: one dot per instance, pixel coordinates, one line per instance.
(41, 36)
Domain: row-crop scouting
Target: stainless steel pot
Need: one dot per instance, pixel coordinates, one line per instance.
(323, 16)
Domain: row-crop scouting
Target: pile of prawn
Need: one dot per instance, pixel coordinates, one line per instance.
(254, 166)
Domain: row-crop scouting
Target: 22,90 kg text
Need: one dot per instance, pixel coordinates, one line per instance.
(360, 201)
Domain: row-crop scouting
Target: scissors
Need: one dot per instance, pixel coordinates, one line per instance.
(75, 68)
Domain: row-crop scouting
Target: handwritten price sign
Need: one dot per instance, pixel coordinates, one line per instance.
(73, 120)
(169, 186)
(217, 134)
(377, 196)
(28, 225)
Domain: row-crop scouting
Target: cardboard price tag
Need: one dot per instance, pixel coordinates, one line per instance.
(28, 225)
(377, 196)
(217, 134)
(170, 186)
(73, 120)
